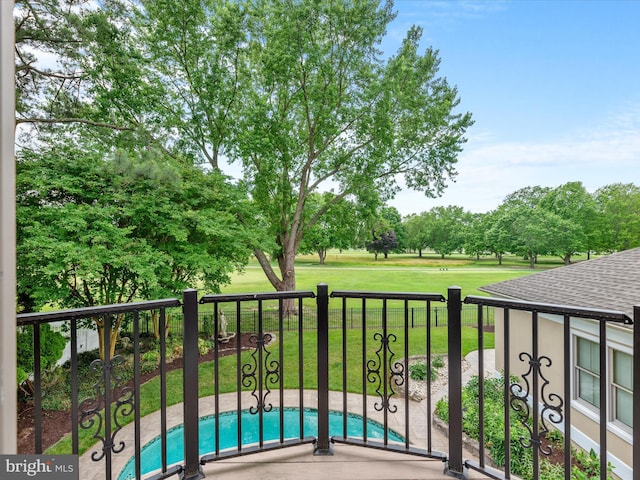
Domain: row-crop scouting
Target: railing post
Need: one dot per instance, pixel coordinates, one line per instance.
(8, 402)
(191, 469)
(636, 393)
(454, 467)
(323, 446)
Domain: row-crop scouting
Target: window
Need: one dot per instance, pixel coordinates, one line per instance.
(622, 388)
(588, 371)
(587, 380)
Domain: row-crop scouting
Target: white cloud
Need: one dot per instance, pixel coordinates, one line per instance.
(490, 169)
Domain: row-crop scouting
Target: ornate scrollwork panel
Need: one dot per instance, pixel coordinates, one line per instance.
(94, 412)
(552, 404)
(376, 368)
(270, 372)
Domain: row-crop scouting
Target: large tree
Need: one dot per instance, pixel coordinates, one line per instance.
(447, 229)
(576, 206)
(498, 235)
(66, 53)
(324, 109)
(475, 235)
(383, 242)
(338, 228)
(391, 216)
(298, 95)
(295, 93)
(96, 231)
(619, 216)
(417, 227)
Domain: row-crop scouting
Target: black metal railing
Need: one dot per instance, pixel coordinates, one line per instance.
(261, 373)
(336, 317)
(303, 359)
(543, 405)
(104, 413)
(385, 364)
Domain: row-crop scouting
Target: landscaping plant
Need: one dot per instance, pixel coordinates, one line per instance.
(585, 466)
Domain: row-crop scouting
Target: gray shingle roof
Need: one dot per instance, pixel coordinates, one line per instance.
(611, 282)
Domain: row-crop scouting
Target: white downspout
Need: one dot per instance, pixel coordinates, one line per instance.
(8, 390)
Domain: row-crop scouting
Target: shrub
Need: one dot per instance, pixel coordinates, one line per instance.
(178, 351)
(554, 437)
(52, 345)
(203, 346)
(418, 370)
(207, 326)
(442, 410)
(150, 361)
(587, 465)
(437, 362)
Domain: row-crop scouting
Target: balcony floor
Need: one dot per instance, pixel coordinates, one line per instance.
(347, 463)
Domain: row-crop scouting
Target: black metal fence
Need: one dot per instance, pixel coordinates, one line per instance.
(361, 351)
(249, 318)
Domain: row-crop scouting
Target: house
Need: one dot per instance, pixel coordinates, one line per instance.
(611, 283)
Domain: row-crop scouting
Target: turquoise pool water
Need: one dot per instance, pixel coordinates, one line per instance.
(151, 452)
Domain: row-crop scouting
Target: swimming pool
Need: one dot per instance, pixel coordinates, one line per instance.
(151, 452)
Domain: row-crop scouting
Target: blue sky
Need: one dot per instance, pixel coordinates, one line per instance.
(553, 87)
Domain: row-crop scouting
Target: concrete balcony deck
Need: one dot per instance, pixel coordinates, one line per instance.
(347, 463)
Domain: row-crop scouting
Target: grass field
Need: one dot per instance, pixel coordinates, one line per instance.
(357, 270)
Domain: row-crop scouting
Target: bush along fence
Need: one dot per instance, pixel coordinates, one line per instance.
(303, 359)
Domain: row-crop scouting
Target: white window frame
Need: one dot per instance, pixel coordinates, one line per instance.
(577, 369)
(618, 339)
(612, 388)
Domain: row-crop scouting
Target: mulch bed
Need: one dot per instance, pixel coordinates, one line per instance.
(57, 423)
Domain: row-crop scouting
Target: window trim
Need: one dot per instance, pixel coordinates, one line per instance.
(612, 386)
(577, 369)
(588, 408)
(617, 340)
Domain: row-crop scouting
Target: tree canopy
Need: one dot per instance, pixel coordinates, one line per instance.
(295, 94)
(561, 221)
(95, 229)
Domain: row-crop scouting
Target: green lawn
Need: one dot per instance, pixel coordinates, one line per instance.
(386, 279)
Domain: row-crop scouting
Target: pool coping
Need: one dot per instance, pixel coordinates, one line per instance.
(228, 402)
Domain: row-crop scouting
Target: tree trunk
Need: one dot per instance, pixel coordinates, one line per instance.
(322, 253)
(567, 259)
(499, 255)
(113, 338)
(419, 253)
(532, 261)
(155, 319)
(286, 261)
(288, 282)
